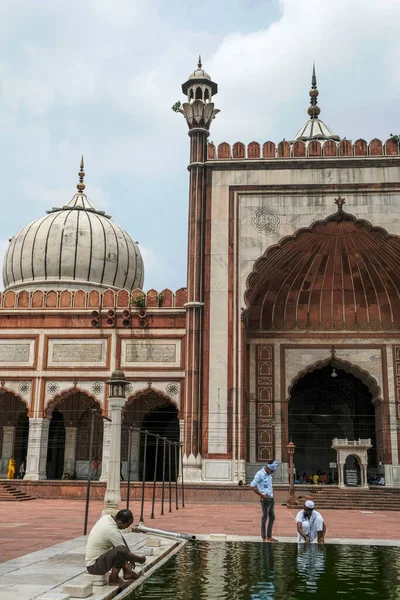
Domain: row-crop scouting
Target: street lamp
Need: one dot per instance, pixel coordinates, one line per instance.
(292, 498)
(116, 400)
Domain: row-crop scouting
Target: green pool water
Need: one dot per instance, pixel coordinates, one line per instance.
(256, 571)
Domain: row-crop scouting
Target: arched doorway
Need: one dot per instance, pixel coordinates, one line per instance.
(14, 431)
(155, 413)
(69, 436)
(324, 404)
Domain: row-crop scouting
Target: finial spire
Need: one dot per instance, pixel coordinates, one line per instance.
(81, 186)
(199, 64)
(314, 110)
(339, 202)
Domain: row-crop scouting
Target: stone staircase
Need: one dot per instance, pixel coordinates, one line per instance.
(9, 493)
(350, 499)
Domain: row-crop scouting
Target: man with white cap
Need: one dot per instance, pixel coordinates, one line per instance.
(310, 525)
(262, 486)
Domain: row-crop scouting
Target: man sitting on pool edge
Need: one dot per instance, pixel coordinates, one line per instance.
(310, 525)
(107, 549)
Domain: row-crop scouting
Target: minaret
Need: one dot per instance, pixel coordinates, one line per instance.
(199, 113)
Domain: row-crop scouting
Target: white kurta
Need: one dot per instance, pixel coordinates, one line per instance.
(309, 525)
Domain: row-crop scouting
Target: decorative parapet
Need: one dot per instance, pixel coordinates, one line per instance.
(299, 149)
(80, 299)
(345, 442)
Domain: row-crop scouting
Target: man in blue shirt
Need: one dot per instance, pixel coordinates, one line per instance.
(262, 486)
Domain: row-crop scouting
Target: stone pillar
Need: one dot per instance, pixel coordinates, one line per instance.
(340, 475)
(112, 496)
(364, 475)
(106, 450)
(7, 449)
(37, 449)
(70, 449)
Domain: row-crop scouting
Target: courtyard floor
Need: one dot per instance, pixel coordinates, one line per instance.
(26, 527)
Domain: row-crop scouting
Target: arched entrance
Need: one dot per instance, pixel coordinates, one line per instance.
(14, 430)
(324, 404)
(155, 413)
(69, 436)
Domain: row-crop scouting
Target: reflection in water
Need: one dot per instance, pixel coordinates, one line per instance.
(311, 564)
(256, 571)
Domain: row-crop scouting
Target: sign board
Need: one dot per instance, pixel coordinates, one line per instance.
(351, 477)
(332, 465)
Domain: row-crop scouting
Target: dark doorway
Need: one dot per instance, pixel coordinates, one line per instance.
(324, 405)
(56, 446)
(21, 438)
(163, 421)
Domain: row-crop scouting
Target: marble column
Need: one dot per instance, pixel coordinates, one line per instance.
(37, 449)
(70, 449)
(112, 496)
(106, 450)
(7, 449)
(340, 469)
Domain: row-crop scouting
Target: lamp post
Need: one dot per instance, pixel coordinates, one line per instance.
(116, 401)
(292, 498)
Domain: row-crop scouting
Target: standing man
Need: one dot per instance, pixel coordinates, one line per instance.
(107, 550)
(310, 525)
(262, 486)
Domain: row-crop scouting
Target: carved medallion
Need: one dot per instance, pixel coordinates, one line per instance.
(266, 220)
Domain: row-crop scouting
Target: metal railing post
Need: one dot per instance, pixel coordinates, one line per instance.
(144, 474)
(163, 476)
(169, 473)
(128, 485)
(155, 478)
(89, 473)
(176, 477)
(183, 486)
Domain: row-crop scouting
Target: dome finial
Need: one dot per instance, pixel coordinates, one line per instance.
(313, 110)
(199, 64)
(339, 202)
(81, 186)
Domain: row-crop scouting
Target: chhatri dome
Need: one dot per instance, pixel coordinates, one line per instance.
(314, 128)
(74, 247)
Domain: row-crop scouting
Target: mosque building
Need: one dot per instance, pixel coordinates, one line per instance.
(289, 328)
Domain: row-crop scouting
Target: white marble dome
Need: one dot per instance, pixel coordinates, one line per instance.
(74, 247)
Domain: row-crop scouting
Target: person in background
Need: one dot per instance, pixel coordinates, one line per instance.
(315, 479)
(262, 486)
(381, 480)
(107, 549)
(310, 525)
(21, 470)
(96, 464)
(11, 468)
(324, 479)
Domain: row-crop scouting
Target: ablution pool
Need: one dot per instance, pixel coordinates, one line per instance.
(257, 571)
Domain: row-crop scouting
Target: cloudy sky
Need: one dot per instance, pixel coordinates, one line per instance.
(99, 77)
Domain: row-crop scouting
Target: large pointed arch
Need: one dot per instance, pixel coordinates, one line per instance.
(340, 273)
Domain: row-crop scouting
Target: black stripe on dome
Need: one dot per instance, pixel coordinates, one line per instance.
(47, 244)
(90, 245)
(128, 254)
(61, 244)
(117, 244)
(76, 242)
(105, 248)
(34, 242)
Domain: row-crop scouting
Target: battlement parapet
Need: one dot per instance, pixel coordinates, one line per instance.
(299, 149)
(81, 299)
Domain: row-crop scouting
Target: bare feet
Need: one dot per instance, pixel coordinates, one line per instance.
(128, 574)
(119, 582)
(271, 539)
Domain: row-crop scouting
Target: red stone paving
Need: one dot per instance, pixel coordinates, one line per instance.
(29, 526)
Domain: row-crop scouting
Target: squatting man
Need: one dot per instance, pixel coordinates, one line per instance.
(310, 525)
(107, 549)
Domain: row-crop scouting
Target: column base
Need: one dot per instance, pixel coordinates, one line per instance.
(34, 477)
(192, 475)
(392, 475)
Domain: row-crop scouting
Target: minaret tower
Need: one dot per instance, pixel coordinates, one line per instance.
(199, 113)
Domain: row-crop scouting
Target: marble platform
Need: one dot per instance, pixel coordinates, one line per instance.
(43, 573)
